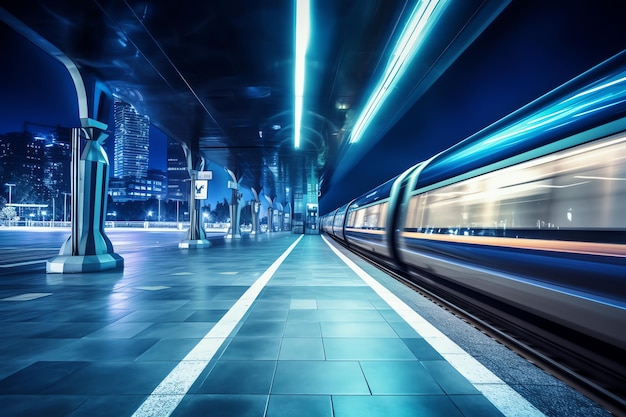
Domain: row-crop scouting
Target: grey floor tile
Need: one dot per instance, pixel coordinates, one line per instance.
(142, 316)
(99, 350)
(108, 405)
(350, 315)
(421, 349)
(302, 329)
(10, 367)
(319, 377)
(221, 406)
(70, 329)
(366, 349)
(303, 304)
(272, 304)
(261, 328)
(347, 304)
(252, 348)
(38, 405)
(267, 314)
(362, 330)
(449, 378)
(175, 330)
(238, 377)
(168, 350)
(206, 316)
(386, 311)
(396, 406)
(404, 330)
(300, 406)
(119, 330)
(301, 348)
(37, 377)
(397, 378)
(109, 378)
(34, 349)
(475, 405)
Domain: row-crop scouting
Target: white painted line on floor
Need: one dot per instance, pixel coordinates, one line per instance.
(153, 287)
(23, 263)
(501, 395)
(170, 392)
(27, 296)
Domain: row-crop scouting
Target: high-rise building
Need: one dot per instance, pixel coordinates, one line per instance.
(131, 148)
(177, 173)
(22, 161)
(57, 162)
(22, 154)
(139, 189)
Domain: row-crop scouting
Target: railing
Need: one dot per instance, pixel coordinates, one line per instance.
(135, 224)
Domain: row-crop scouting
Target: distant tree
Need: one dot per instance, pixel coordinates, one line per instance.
(27, 191)
(8, 213)
(246, 214)
(221, 213)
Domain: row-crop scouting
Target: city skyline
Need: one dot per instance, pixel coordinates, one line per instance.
(131, 141)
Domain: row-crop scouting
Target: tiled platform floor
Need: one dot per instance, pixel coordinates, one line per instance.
(317, 341)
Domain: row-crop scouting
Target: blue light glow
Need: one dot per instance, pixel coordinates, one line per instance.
(303, 28)
(410, 40)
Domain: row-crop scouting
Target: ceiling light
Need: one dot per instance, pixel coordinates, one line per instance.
(303, 26)
(412, 36)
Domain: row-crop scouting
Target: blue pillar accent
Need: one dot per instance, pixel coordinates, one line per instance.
(196, 236)
(90, 250)
(256, 206)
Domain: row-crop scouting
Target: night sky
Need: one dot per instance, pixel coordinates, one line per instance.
(531, 48)
(35, 87)
(37, 90)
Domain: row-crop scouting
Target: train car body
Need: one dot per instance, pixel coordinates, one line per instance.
(326, 222)
(528, 212)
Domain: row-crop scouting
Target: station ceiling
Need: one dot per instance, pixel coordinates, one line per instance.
(218, 75)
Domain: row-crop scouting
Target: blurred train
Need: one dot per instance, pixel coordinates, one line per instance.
(528, 214)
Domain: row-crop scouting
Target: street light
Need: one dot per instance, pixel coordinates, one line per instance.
(10, 188)
(64, 204)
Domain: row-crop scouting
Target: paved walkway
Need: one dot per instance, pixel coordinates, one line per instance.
(279, 326)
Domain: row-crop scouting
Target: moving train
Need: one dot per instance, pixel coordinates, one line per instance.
(528, 214)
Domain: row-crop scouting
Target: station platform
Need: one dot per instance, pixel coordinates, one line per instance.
(278, 325)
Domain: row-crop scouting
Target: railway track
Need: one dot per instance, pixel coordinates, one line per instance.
(593, 368)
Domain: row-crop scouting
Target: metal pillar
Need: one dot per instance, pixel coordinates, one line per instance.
(233, 230)
(270, 215)
(256, 206)
(196, 235)
(88, 249)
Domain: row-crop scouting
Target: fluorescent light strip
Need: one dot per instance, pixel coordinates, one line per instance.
(303, 29)
(405, 48)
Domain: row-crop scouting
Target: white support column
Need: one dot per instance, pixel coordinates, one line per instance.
(88, 249)
(196, 235)
(233, 184)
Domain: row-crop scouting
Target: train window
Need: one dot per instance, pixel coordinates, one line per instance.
(370, 217)
(583, 188)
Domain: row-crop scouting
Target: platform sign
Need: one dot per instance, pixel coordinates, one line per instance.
(202, 189)
(205, 175)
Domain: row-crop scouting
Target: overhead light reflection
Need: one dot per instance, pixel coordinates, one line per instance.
(404, 50)
(303, 28)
